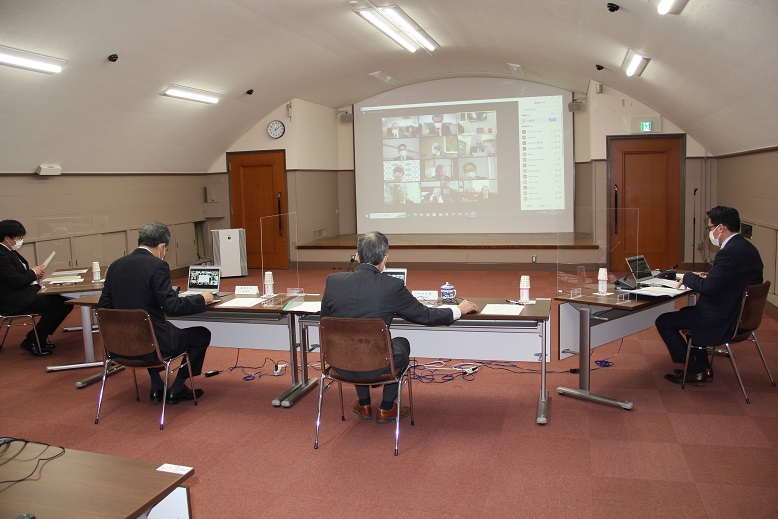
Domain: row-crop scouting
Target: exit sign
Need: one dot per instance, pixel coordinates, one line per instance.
(645, 124)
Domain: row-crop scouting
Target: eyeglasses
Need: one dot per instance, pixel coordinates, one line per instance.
(711, 227)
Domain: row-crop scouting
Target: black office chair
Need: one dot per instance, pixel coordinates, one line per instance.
(359, 345)
(749, 320)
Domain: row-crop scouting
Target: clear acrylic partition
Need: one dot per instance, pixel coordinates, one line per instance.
(614, 234)
(279, 238)
(50, 227)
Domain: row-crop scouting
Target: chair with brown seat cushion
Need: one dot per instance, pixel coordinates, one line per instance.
(749, 320)
(129, 340)
(6, 321)
(359, 345)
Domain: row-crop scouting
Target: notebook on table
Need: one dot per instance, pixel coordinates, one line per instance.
(202, 279)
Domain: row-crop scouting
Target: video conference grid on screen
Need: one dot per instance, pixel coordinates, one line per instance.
(483, 165)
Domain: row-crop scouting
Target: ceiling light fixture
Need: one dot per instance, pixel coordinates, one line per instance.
(191, 94)
(634, 63)
(671, 6)
(30, 61)
(392, 21)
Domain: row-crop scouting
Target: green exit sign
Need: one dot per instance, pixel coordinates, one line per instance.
(645, 126)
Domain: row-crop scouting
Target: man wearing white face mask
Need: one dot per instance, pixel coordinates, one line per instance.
(141, 280)
(19, 290)
(713, 319)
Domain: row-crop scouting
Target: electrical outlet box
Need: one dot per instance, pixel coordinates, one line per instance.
(534, 259)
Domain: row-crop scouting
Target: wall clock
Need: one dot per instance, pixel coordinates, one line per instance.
(276, 129)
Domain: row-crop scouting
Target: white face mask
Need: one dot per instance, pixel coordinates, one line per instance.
(18, 244)
(714, 240)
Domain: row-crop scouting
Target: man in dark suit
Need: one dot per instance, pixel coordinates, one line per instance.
(19, 286)
(365, 293)
(713, 319)
(141, 280)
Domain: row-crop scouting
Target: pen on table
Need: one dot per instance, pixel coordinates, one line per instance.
(513, 301)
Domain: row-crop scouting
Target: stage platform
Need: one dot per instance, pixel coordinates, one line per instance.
(541, 251)
(546, 241)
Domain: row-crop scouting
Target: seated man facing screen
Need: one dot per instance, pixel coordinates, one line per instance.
(713, 319)
(365, 293)
(141, 280)
(19, 286)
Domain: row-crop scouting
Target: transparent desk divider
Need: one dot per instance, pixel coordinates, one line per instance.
(279, 256)
(612, 237)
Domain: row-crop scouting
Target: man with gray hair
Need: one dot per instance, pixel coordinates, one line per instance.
(365, 293)
(141, 280)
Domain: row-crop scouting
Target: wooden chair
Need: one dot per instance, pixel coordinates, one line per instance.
(749, 320)
(359, 345)
(129, 340)
(6, 321)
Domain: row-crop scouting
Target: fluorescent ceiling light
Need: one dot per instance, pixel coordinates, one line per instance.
(634, 63)
(30, 61)
(192, 94)
(392, 21)
(671, 6)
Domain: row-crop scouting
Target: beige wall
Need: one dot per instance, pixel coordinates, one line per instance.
(749, 183)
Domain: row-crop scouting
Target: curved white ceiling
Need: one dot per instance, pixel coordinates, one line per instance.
(712, 71)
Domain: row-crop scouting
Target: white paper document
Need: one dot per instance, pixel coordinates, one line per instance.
(68, 272)
(311, 307)
(241, 302)
(498, 309)
(64, 279)
(48, 260)
(174, 469)
(658, 291)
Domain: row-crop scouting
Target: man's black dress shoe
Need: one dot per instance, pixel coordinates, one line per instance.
(696, 379)
(707, 372)
(32, 348)
(156, 395)
(184, 394)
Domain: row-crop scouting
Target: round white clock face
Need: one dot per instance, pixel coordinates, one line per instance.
(275, 129)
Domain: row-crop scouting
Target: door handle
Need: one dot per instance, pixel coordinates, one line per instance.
(280, 227)
(616, 207)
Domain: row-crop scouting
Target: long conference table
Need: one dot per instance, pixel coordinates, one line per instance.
(277, 323)
(589, 320)
(86, 485)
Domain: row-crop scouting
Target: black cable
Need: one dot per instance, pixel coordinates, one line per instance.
(39, 460)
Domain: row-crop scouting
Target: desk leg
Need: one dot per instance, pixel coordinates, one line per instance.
(300, 384)
(89, 346)
(584, 352)
(543, 398)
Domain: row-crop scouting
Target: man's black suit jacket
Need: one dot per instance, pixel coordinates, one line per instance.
(142, 281)
(366, 292)
(736, 266)
(16, 289)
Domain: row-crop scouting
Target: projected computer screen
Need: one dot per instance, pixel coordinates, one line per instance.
(465, 155)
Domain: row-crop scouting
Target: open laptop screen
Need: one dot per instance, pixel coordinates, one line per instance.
(639, 267)
(204, 278)
(399, 273)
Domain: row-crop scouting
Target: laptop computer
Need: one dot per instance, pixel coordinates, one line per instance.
(644, 275)
(399, 273)
(202, 279)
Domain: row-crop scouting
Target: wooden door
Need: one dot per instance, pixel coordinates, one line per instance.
(644, 200)
(258, 198)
